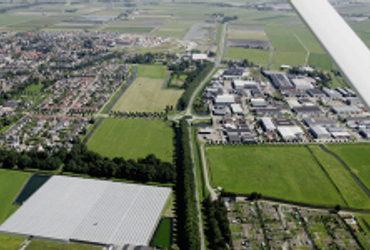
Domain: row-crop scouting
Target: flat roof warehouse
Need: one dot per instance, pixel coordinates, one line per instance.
(91, 211)
(346, 49)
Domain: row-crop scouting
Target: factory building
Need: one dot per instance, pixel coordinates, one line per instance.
(302, 83)
(267, 124)
(346, 110)
(319, 132)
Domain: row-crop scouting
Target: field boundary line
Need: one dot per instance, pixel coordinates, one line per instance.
(304, 46)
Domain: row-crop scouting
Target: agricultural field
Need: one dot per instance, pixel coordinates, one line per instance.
(175, 28)
(11, 182)
(250, 33)
(290, 58)
(357, 158)
(133, 139)
(282, 172)
(47, 245)
(131, 30)
(253, 55)
(152, 71)
(147, 95)
(163, 235)
(350, 190)
(9, 242)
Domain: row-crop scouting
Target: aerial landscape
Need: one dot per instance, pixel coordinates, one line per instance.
(195, 125)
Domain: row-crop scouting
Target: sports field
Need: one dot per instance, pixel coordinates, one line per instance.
(357, 158)
(147, 95)
(8, 242)
(11, 182)
(282, 172)
(163, 236)
(252, 55)
(133, 139)
(152, 71)
(47, 245)
(350, 190)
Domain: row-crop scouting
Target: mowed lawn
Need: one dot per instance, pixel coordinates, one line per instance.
(357, 158)
(252, 55)
(9, 242)
(11, 183)
(152, 71)
(163, 236)
(40, 245)
(147, 95)
(350, 190)
(133, 139)
(289, 173)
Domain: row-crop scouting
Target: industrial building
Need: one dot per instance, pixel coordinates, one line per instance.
(237, 109)
(319, 132)
(267, 111)
(279, 80)
(91, 211)
(320, 121)
(290, 132)
(302, 83)
(241, 84)
(224, 99)
(331, 93)
(235, 73)
(346, 110)
(267, 124)
(283, 122)
(258, 102)
(354, 121)
(317, 93)
(353, 101)
(295, 93)
(308, 110)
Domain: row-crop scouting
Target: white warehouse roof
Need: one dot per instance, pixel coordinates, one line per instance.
(226, 98)
(347, 50)
(90, 210)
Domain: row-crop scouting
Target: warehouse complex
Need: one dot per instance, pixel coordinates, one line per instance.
(91, 211)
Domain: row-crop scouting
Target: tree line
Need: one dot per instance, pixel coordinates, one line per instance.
(217, 224)
(80, 160)
(188, 235)
(192, 82)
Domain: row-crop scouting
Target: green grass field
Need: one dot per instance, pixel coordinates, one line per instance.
(283, 172)
(152, 71)
(350, 190)
(128, 29)
(357, 158)
(47, 245)
(146, 95)
(253, 55)
(11, 182)
(322, 61)
(164, 234)
(133, 139)
(8, 242)
(247, 34)
(290, 58)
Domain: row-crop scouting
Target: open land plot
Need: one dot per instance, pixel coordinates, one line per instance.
(253, 55)
(44, 245)
(350, 190)
(9, 19)
(240, 32)
(9, 242)
(290, 58)
(163, 234)
(152, 71)
(199, 31)
(146, 95)
(322, 61)
(176, 28)
(289, 173)
(249, 43)
(11, 182)
(131, 30)
(133, 139)
(357, 158)
(283, 39)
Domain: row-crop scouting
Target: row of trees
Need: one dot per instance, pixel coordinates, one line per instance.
(187, 213)
(83, 161)
(192, 82)
(217, 224)
(150, 169)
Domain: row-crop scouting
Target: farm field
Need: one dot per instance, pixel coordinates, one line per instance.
(322, 61)
(253, 55)
(40, 245)
(237, 32)
(147, 95)
(290, 58)
(11, 182)
(128, 29)
(175, 28)
(133, 139)
(163, 234)
(350, 190)
(357, 158)
(289, 173)
(152, 71)
(9, 242)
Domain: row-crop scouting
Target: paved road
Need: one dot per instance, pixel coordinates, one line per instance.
(204, 161)
(217, 64)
